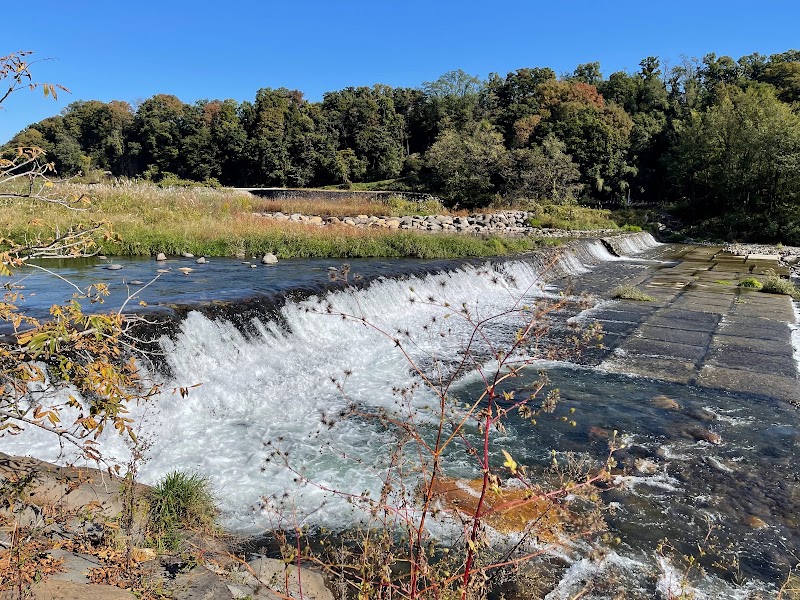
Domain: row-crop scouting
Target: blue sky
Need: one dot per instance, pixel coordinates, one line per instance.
(132, 50)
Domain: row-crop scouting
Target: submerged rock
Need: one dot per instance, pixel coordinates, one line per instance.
(665, 402)
(755, 522)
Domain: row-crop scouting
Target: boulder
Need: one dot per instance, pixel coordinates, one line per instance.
(187, 255)
(161, 256)
(114, 267)
(285, 579)
(199, 584)
(201, 261)
(65, 590)
(269, 259)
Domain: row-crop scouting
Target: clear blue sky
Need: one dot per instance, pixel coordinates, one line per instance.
(132, 50)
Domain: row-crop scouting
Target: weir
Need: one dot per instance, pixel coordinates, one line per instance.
(708, 431)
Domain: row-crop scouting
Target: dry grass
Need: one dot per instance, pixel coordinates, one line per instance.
(212, 222)
(350, 206)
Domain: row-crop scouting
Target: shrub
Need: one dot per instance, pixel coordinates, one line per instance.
(629, 292)
(777, 285)
(631, 228)
(751, 283)
(179, 500)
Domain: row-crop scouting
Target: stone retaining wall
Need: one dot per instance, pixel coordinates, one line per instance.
(508, 222)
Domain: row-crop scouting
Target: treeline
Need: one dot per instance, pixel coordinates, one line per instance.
(719, 136)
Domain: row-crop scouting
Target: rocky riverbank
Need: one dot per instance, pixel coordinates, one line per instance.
(63, 535)
(507, 223)
(788, 256)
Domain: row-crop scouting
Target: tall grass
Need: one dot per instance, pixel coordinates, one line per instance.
(146, 219)
(179, 501)
(350, 206)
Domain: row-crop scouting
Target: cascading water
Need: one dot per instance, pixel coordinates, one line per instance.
(285, 381)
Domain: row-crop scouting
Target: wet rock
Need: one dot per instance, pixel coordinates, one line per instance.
(754, 522)
(201, 261)
(665, 402)
(161, 256)
(645, 467)
(701, 414)
(703, 435)
(187, 255)
(269, 259)
(114, 267)
(597, 434)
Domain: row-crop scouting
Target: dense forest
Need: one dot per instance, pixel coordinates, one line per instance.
(718, 138)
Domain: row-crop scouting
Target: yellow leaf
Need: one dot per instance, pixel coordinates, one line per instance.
(510, 463)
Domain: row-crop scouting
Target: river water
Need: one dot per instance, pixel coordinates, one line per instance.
(280, 374)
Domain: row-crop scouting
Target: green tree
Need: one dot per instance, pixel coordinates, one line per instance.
(466, 166)
(741, 158)
(366, 121)
(544, 172)
(454, 99)
(157, 128)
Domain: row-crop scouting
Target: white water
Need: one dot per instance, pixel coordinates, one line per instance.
(276, 387)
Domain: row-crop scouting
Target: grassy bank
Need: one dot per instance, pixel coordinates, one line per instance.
(147, 219)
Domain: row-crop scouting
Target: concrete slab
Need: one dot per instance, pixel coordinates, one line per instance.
(777, 312)
(618, 327)
(779, 335)
(677, 336)
(774, 257)
(643, 347)
(688, 316)
(747, 382)
(666, 369)
(746, 344)
(760, 363)
(685, 324)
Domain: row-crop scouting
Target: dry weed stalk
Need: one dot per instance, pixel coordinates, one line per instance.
(394, 553)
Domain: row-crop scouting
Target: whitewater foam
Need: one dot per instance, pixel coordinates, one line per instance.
(275, 396)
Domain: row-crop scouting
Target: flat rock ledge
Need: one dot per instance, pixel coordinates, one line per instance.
(788, 256)
(507, 222)
(69, 511)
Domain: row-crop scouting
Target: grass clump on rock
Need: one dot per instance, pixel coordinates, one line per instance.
(776, 285)
(629, 292)
(751, 283)
(180, 501)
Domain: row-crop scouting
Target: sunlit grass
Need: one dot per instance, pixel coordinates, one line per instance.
(219, 222)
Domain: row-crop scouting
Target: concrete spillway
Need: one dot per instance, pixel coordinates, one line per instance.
(702, 329)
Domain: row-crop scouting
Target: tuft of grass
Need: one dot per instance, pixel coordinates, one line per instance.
(723, 281)
(629, 292)
(179, 501)
(569, 217)
(631, 228)
(750, 283)
(776, 285)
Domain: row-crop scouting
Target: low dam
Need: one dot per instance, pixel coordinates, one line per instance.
(699, 385)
